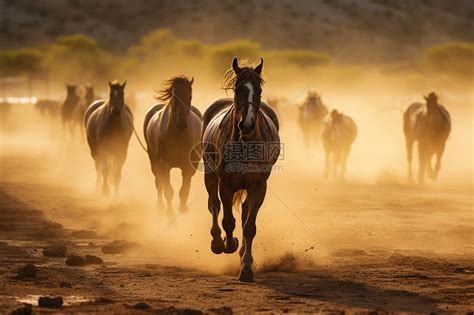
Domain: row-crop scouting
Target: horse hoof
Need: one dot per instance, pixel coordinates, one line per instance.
(217, 246)
(246, 274)
(183, 209)
(231, 247)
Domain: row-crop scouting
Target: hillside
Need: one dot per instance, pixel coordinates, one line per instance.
(365, 30)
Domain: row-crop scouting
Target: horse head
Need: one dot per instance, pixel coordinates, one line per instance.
(431, 102)
(247, 85)
(178, 90)
(116, 97)
(71, 90)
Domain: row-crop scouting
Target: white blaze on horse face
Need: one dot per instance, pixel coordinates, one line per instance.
(249, 118)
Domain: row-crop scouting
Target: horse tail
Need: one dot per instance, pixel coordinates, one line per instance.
(149, 114)
(239, 198)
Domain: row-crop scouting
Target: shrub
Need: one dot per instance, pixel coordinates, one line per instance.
(453, 59)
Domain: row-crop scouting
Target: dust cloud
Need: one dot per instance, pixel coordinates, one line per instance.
(305, 219)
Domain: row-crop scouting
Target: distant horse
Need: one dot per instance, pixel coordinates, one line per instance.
(67, 108)
(430, 125)
(339, 132)
(310, 116)
(231, 128)
(172, 131)
(109, 126)
(85, 100)
(48, 108)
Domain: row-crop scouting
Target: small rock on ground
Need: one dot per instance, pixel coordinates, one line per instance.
(55, 250)
(119, 247)
(27, 271)
(48, 301)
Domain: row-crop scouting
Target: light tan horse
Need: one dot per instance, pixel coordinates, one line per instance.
(310, 116)
(338, 134)
(109, 126)
(230, 126)
(430, 125)
(172, 131)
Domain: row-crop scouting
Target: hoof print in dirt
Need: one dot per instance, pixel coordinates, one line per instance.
(103, 300)
(55, 251)
(119, 247)
(25, 309)
(50, 301)
(84, 234)
(141, 306)
(27, 271)
(76, 260)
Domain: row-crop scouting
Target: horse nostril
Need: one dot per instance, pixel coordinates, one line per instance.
(241, 125)
(253, 126)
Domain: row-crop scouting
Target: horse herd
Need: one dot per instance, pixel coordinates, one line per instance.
(230, 134)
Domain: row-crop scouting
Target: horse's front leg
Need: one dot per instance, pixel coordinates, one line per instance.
(255, 198)
(226, 193)
(212, 186)
(119, 162)
(422, 158)
(105, 175)
(439, 156)
(165, 176)
(187, 173)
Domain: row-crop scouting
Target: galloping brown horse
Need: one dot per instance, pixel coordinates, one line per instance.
(231, 126)
(171, 131)
(311, 113)
(67, 109)
(339, 132)
(430, 125)
(109, 126)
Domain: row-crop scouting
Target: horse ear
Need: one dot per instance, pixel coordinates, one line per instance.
(192, 80)
(235, 66)
(110, 84)
(426, 98)
(259, 68)
(123, 84)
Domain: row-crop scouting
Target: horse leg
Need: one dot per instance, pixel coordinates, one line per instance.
(165, 175)
(327, 161)
(255, 197)
(439, 156)
(105, 175)
(158, 184)
(409, 145)
(431, 172)
(336, 163)
(119, 162)
(228, 221)
(98, 164)
(212, 186)
(187, 173)
(345, 154)
(245, 211)
(422, 157)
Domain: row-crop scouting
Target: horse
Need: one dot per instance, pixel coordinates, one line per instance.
(172, 131)
(109, 126)
(85, 100)
(67, 108)
(232, 127)
(310, 116)
(430, 125)
(338, 134)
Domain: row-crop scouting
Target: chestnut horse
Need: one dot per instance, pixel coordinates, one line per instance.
(231, 126)
(109, 126)
(172, 132)
(430, 125)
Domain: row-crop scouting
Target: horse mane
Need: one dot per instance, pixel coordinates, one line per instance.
(247, 73)
(169, 87)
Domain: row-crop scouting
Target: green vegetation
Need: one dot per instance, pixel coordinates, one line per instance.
(451, 59)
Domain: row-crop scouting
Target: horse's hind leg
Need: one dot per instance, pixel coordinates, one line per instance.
(187, 173)
(212, 186)
(409, 145)
(228, 221)
(255, 198)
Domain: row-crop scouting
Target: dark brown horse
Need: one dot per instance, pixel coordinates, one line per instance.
(109, 126)
(171, 131)
(311, 113)
(67, 109)
(339, 132)
(430, 125)
(231, 128)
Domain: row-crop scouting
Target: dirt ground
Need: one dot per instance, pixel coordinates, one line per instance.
(358, 246)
